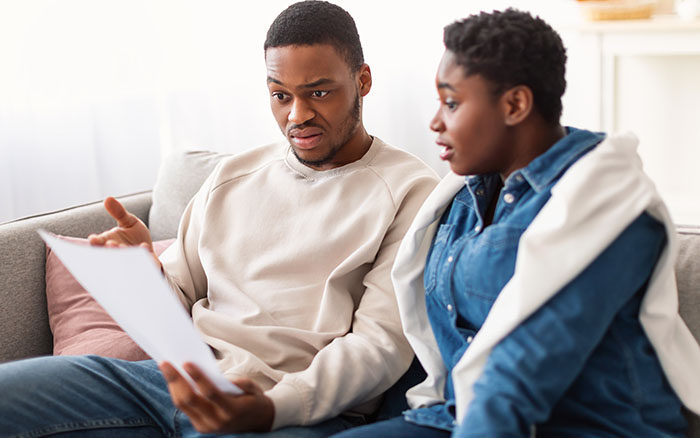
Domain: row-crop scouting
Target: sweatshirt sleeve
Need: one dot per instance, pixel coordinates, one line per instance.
(529, 370)
(181, 260)
(357, 367)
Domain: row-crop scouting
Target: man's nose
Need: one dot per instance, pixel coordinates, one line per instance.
(300, 112)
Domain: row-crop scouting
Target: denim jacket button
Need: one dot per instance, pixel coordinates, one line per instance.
(449, 259)
(449, 307)
(470, 339)
(508, 198)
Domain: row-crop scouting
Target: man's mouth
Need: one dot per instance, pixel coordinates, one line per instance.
(306, 138)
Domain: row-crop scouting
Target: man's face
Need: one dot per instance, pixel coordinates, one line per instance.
(315, 98)
(470, 122)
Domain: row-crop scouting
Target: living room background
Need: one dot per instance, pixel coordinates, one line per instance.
(93, 93)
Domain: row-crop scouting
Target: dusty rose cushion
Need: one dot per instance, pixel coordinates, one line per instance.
(78, 323)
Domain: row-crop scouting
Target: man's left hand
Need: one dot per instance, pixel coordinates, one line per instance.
(214, 411)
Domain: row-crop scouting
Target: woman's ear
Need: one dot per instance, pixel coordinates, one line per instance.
(518, 102)
(364, 78)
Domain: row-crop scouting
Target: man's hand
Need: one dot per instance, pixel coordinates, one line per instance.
(213, 411)
(130, 230)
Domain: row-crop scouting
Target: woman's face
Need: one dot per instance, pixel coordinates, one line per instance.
(470, 122)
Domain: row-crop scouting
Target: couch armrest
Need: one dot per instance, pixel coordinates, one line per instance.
(24, 327)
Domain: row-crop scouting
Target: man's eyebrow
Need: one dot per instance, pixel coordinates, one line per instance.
(314, 84)
(442, 85)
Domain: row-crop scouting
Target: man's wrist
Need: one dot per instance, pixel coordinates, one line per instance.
(268, 415)
(288, 405)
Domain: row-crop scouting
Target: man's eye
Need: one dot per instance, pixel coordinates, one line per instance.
(279, 96)
(319, 93)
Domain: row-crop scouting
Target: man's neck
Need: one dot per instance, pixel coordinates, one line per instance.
(353, 150)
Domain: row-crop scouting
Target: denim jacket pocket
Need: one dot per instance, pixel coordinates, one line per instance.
(491, 261)
(435, 255)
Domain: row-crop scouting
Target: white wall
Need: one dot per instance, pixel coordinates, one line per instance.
(94, 92)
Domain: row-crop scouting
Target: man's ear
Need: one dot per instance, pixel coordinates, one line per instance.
(518, 102)
(364, 80)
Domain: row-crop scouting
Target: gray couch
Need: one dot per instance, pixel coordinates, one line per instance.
(24, 328)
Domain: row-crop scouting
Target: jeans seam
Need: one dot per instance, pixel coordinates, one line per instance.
(85, 425)
(177, 432)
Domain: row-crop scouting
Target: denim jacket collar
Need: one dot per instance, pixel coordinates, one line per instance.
(547, 167)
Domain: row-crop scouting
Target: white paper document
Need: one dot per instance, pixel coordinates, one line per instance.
(128, 284)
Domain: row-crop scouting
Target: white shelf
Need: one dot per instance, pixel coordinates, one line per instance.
(641, 75)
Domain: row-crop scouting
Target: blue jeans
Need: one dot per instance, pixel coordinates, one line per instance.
(95, 397)
(396, 427)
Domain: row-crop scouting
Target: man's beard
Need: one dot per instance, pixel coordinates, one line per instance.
(346, 130)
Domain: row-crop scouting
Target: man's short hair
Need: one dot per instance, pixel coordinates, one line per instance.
(510, 48)
(317, 22)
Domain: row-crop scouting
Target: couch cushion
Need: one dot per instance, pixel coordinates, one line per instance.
(179, 177)
(78, 323)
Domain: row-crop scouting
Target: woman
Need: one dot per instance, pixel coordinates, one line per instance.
(537, 291)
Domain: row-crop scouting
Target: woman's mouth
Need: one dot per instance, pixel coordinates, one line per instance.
(446, 152)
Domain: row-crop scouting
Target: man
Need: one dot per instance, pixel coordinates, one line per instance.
(283, 259)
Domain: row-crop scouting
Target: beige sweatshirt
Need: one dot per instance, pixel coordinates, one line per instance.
(286, 272)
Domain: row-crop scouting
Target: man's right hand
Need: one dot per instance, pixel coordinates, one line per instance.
(130, 230)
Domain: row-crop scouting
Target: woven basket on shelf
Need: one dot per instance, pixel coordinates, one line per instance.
(596, 10)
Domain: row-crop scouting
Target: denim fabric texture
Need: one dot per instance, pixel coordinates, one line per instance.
(396, 427)
(581, 365)
(96, 397)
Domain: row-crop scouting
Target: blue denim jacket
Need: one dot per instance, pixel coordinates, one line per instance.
(581, 365)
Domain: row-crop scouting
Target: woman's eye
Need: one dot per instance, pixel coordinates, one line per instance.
(451, 104)
(319, 93)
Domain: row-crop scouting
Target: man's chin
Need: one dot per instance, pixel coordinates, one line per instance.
(311, 157)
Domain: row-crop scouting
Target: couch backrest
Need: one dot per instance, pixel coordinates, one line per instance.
(688, 277)
(179, 178)
(24, 328)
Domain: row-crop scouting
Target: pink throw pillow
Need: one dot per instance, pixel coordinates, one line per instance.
(78, 323)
